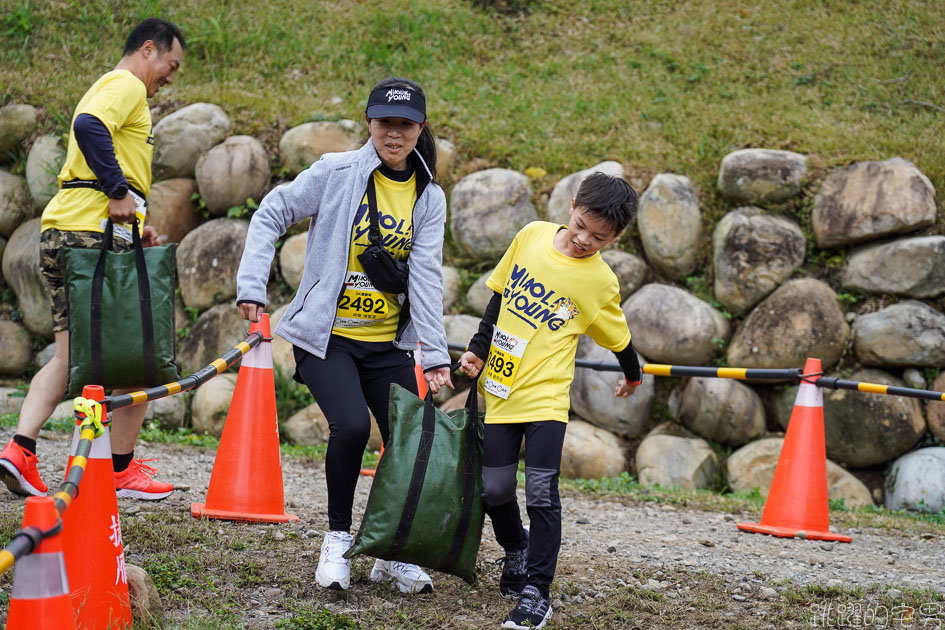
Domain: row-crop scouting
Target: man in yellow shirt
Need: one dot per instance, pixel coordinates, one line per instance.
(551, 286)
(107, 175)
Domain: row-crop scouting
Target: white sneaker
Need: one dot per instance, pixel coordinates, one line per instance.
(334, 570)
(409, 578)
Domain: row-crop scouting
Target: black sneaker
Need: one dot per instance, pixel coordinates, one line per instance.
(532, 611)
(514, 571)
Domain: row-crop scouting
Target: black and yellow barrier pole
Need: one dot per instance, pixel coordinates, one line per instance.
(191, 382)
(657, 369)
(875, 388)
(781, 374)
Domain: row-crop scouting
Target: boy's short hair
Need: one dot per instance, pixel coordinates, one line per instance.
(610, 198)
(161, 32)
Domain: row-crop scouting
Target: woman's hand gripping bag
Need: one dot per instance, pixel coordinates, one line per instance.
(425, 505)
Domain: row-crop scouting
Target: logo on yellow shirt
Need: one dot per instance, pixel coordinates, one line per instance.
(534, 303)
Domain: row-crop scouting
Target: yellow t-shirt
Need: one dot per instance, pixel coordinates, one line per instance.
(364, 312)
(119, 100)
(548, 300)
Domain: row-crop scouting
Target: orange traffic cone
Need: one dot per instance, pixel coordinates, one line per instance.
(246, 483)
(40, 598)
(797, 504)
(421, 392)
(91, 536)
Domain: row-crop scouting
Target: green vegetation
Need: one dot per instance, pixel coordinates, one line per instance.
(661, 86)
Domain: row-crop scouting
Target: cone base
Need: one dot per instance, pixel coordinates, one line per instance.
(788, 532)
(368, 472)
(49, 613)
(200, 510)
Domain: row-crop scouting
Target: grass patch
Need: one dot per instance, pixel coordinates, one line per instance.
(670, 86)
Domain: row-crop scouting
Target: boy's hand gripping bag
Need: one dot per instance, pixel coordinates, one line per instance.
(425, 505)
(121, 315)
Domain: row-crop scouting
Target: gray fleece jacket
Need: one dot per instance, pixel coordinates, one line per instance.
(330, 192)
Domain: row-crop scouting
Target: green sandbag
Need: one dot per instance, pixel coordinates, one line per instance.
(425, 505)
(121, 315)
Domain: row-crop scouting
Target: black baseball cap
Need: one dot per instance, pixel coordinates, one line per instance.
(397, 102)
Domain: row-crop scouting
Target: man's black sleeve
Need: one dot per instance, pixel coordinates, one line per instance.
(96, 145)
(479, 344)
(630, 364)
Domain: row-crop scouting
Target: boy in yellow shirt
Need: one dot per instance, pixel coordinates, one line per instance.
(550, 287)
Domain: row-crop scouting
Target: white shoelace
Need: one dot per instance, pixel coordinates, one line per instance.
(336, 547)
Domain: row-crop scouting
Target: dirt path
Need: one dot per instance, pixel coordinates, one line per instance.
(623, 564)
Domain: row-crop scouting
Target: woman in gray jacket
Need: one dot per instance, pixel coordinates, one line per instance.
(354, 328)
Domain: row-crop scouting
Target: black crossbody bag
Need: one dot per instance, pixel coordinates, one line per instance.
(385, 272)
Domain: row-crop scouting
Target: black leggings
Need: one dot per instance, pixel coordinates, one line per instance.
(353, 376)
(543, 445)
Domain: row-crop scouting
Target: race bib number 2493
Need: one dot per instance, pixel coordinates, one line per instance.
(505, 355)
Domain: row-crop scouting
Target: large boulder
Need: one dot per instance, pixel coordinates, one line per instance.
(172, 210)
(591, 452)
(719, 409)
(17, 123)
(489, 208)
(216, 331)
(211, 404)
(592, 395)
(913, 267)
(21, 271)
(446, 156)
(170, 412)
(15, 207)
(207, 261)
(669, 325)
(754, 253)
(864, 429)
(307, 426)
(231, 173)
(479, 294)
(800, 319)
(459, 330)
(559, 202)
(300, 146)
(760, 176)
(629, 269)
(292, 259)
(16, 352)
(935, 411)
(668, 459)
(451, 287)
(670, 225)
(182, 137)
(869, 200)
(906, 334)
(916, 481)
(43, 164)
(753, 465)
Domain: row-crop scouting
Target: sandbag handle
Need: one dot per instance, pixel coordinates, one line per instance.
(470, 473)
(424, 448)
(144, 300)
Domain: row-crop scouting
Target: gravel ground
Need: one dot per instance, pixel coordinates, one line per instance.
(608, 543)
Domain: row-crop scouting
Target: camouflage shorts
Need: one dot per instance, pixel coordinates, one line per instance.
(50, 243)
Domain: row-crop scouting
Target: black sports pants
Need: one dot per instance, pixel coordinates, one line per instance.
(543, 444)
(353, 376)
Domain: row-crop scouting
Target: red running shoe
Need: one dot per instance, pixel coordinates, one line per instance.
(19, 472)
(135, 482)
